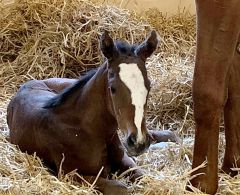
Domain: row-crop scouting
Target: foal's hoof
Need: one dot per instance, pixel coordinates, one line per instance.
(136, 175)
(115, 188)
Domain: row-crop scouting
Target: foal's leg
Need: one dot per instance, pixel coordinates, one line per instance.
(232, 119)
(108, 187)
(163, 136)
(218, 27)
(119, 159)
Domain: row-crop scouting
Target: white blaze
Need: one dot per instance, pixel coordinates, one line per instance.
(132, 77)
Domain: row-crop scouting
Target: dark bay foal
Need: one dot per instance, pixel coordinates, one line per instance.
(81, 121)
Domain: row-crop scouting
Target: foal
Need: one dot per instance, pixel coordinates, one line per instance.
(81, 121)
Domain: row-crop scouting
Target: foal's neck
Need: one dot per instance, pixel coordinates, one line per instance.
(91, 104)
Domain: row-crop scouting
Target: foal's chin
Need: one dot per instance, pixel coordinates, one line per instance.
(132, 153)
(136, 151)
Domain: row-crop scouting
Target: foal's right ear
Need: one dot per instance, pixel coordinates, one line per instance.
(107, 46)
(145, 49)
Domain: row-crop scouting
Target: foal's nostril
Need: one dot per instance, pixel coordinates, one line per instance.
(136, 148)
(131, 141)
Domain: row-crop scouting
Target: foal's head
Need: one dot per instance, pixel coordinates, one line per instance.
(129, 86)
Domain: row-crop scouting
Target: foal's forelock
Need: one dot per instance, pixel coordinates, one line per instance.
(132, 77)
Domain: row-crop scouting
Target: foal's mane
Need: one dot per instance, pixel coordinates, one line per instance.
(66, 93)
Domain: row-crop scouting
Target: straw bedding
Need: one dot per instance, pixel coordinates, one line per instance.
(49, 38)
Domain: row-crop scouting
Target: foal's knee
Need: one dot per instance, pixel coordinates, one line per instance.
(113, 187)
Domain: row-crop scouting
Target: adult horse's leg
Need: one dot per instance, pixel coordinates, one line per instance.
(232, 119)
(217, 34)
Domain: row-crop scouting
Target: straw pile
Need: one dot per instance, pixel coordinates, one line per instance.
(48, 38)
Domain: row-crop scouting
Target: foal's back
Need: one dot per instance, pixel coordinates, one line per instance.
(25, 111)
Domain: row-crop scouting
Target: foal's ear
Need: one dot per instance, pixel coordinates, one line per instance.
(146, 48)
(107, 46)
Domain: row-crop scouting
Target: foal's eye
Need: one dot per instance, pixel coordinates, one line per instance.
(111, 75)
(113, 89)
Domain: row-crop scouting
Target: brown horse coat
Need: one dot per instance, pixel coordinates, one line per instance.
(216, 89)
(80, 122)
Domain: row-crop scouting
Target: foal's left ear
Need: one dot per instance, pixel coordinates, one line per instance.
(145, 49)
(107, 46)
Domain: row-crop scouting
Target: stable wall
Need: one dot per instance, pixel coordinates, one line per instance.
(166, 6)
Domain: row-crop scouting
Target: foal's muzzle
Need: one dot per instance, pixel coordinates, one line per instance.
(135, 148)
